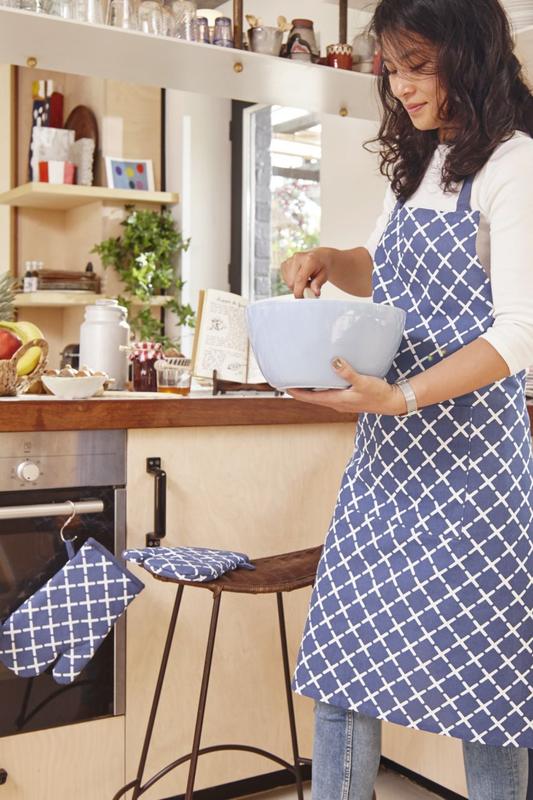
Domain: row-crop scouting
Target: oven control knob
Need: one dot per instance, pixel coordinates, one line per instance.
(28, 471)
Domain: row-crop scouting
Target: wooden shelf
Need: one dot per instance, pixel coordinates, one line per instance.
(45, 299)
(63, 197)
(135, 57)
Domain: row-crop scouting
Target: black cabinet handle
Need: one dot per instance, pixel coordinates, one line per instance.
(3, 777)
(153, 467)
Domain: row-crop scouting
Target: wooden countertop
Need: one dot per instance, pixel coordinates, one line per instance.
(158, 411)
(51, 414)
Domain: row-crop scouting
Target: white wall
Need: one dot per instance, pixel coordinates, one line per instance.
(351, 187)
(199, 165)
(199, 169)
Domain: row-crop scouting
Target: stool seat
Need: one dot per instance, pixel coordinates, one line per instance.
(273, 574)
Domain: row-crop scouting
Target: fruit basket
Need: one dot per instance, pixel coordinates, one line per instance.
(11, 383)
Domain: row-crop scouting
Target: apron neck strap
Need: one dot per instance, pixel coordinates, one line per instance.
(463, 203)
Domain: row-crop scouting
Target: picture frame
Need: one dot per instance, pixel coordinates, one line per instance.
(130, 173)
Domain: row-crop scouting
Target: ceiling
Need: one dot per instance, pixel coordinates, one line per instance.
(210, 3)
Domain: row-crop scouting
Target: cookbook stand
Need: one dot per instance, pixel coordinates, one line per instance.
(223, 387)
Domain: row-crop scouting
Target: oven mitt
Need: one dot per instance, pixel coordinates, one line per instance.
(67, 619)
(195, 564)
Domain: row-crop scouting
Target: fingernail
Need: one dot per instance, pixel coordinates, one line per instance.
(338, 363)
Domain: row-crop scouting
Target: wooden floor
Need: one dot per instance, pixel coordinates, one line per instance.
(389, 786)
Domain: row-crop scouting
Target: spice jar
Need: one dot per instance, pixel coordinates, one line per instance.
(144, 356)
(301, 45)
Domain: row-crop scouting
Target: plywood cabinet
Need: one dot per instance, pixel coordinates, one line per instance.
(260, 490)
(84, 761)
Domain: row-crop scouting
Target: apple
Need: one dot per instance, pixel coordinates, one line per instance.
(26, 331)
(9, 344)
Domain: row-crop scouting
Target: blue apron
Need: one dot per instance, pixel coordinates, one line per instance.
(421, 613)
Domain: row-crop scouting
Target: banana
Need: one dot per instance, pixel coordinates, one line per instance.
(26, 331)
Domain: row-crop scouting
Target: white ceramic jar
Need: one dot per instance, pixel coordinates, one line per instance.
(101, 335)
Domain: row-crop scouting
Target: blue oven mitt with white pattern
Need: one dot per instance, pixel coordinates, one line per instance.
(196, 564)
(67, 619)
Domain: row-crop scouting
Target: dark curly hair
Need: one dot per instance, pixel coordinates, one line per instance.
(486, 100)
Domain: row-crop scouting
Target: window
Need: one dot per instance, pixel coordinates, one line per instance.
(281, 193)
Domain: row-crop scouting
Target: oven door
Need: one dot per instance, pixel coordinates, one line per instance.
(31, 552)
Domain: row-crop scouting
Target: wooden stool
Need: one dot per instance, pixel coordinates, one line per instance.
(272, 575)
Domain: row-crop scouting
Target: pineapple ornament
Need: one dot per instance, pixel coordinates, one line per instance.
(7, 297)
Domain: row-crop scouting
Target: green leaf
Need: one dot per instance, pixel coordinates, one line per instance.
(143, 260)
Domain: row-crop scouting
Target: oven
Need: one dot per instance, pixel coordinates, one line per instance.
(44, 477)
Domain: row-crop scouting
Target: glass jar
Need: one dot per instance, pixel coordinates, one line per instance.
(144, 356)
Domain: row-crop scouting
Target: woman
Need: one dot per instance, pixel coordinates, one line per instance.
(422, 609)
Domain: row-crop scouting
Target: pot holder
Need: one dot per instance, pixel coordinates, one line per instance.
(195, 564)
(67, 619)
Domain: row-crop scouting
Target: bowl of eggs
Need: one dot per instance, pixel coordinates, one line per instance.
(72, 384)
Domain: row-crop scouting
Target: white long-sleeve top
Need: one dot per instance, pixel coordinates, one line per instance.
(503, 192)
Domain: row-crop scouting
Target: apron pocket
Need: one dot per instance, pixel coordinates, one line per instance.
(420, 474)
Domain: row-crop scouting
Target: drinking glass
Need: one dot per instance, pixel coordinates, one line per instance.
(173, 380)
(202, 30)
(66, 9)
(39, 6)
(223, 35)
(121, 14)
(89, 11)
(150, 17)
(168, 21)
(184, 19)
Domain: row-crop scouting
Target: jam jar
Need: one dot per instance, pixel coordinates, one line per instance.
(144, 355)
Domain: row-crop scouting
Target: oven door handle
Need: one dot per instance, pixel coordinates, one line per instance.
(52, 510)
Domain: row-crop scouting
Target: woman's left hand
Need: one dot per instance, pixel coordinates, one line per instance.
(373, 395)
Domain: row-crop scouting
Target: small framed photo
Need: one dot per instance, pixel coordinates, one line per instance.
(127, 173)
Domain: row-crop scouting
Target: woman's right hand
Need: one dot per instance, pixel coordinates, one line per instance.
(310, 268)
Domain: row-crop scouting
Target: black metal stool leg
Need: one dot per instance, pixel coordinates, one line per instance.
(292, 719)
(157, 694)
(203, 697)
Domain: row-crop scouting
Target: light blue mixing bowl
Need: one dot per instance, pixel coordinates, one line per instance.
(295, 341)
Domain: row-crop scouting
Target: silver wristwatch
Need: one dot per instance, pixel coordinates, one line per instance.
(410, 396)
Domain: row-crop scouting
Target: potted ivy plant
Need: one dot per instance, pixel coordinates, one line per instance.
(142, 258)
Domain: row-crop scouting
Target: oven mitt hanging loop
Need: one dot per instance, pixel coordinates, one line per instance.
(67, 619)
(195, 564)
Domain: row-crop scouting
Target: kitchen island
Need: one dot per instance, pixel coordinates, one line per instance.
(257, 474)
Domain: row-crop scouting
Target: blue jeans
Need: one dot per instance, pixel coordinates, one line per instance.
(347, 749)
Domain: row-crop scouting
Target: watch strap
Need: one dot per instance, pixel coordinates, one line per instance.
(410, 396)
